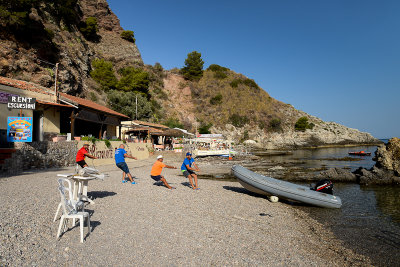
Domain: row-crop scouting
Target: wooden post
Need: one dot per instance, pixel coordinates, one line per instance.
(72, 124)
(55, 85)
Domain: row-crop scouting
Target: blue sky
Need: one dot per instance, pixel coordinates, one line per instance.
(337, 60)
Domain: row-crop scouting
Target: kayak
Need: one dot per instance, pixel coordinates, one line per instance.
(360, 153)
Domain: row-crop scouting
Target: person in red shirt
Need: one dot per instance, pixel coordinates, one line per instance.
(157, 169)
(82, 153)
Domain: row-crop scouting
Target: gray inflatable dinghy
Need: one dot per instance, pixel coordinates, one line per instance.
(264, 185)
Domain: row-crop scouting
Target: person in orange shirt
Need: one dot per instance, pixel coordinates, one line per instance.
(157, 169)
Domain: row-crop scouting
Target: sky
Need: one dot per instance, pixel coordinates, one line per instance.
(336, 60)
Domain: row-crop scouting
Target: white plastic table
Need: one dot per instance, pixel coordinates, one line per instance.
(80, 186)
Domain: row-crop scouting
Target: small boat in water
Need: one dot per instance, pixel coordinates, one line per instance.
(264, 185)
(360, 153)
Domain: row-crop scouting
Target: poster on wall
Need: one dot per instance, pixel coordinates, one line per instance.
(19, 129)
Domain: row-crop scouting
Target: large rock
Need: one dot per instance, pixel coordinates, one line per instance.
(388, 156)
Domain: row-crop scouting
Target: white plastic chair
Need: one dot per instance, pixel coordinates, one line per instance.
(69, 209)
(78, 205)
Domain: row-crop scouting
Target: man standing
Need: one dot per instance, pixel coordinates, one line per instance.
(188, 171)
(120, 155)
(157, 169)
(82, 153)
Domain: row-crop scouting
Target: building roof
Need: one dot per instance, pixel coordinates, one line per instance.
(145, 123)
(92, 105)
(43, 90)
(26, 86)
(52, 104)
(147, 129)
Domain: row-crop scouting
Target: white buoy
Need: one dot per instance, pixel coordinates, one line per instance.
(273, 199)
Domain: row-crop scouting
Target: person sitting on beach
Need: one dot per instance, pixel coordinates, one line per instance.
(120, 155)
(188, 171)
(82, 153)
(156, 170)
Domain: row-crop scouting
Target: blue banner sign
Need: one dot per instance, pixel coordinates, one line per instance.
(19, 129)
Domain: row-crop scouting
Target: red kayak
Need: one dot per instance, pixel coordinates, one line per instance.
(360, 153)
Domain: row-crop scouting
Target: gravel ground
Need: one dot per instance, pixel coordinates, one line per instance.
(145, 224)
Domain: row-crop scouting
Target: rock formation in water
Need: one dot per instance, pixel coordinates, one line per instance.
(385, 171)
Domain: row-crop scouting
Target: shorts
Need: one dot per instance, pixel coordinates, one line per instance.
(81, 163)
(186, 173)
(156, 178)
(123, 167)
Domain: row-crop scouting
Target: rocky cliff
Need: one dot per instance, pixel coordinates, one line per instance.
(28, 57)
(190, 103)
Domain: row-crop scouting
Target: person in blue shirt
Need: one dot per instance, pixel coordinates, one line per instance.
(120, 155)
(188, 169)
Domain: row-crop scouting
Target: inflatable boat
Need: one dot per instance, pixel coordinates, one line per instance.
(264, 185)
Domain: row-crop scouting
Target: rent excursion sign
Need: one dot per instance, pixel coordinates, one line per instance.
(20, 102)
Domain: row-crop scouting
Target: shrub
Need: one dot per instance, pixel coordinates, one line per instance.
(219, 72)
(302, 124)
(216, 100)
(107, 143)
(275, 125)
(103, 74)
(245, 136)
(89, 28)
(158, 67)
(133, 79)
(251, 83)
(248, 82)
(173, 123)
(93, 96)
(128, 35)
(90, 139)
(220, 75)
(193, 69)
(215, 67)
(238, 121)
(205, 128)
(235, 83)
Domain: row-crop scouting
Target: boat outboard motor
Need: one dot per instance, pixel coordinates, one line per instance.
(324, 186)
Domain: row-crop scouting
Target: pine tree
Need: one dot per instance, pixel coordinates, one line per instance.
(193, 69)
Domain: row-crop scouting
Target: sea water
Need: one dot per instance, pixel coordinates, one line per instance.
(369, 220)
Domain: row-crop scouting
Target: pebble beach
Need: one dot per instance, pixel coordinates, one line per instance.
(145, 224)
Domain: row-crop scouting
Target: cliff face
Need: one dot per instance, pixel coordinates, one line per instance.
(21, 55)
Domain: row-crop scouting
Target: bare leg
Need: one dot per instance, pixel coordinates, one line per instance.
(130, 177)
(190, 181)
(123, 176)
(195, 180)
(165, 183)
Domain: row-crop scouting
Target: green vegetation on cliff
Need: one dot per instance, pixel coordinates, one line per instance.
(193, 69)
(234, 99)
(302, 124)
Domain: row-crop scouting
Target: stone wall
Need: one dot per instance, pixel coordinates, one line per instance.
(43, 155)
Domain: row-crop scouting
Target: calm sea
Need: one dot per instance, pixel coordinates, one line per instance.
(369, 220)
